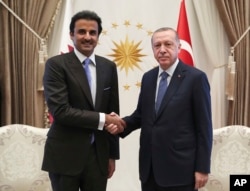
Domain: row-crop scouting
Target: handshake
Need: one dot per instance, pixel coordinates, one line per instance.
(114, 124)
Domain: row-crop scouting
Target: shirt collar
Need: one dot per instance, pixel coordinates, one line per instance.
(170, 70)
(82, 57)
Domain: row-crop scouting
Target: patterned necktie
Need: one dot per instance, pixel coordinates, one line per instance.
(161, 90)
(87, 70)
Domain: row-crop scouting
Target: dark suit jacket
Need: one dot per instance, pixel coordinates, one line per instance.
(177, 141)
(69, 100)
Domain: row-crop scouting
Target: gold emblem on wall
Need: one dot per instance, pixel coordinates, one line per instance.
(129, 50)
(127, 55)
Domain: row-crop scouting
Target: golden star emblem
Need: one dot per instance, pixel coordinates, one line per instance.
(126, 87)
(138, 84)
(127, 55)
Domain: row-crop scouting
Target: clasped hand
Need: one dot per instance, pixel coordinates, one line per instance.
(114, 124)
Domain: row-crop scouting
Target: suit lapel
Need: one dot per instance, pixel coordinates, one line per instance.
(75, 66)
(99, 81)
(153, 83)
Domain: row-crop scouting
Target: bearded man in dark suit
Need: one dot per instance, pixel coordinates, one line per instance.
(79, 152)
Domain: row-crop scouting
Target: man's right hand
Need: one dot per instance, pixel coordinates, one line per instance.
(114, 124)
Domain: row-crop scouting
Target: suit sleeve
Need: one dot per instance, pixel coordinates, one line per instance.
(133, 121)
(203, 123)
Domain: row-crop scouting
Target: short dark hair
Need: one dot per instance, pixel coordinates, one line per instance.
(88, 15)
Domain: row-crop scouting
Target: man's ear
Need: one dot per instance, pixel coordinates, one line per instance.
(71, 34)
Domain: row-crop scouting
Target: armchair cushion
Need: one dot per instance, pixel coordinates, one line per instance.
(230, 155)
(21, 153)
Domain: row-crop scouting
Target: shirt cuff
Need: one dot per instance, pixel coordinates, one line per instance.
(102, 121)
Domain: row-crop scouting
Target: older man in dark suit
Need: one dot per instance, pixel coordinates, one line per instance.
(81, 91)
(176, 130)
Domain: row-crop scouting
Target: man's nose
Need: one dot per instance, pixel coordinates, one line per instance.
(162, 49)
(87, 35)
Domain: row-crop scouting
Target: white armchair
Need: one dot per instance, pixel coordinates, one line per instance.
(230, 155)
(21, 153)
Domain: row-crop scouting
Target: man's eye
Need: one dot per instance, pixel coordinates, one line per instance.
(81, 32)
(169, 44)
(92, 33)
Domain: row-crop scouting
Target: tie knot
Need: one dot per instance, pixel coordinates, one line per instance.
(164, 75)
(86, 62)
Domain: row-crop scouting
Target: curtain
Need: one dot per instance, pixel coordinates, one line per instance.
(216, 46)
(235, 15)
(20, 73)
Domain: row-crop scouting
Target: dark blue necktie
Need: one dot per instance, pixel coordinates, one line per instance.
(161, 90)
